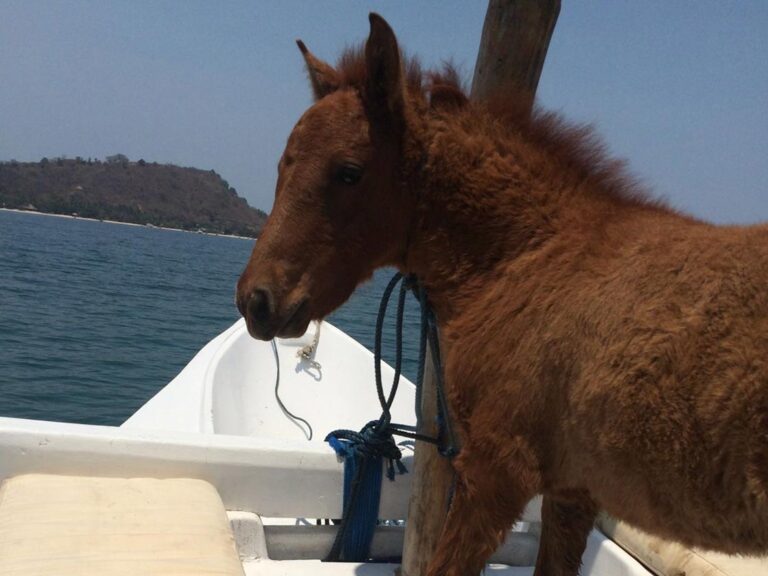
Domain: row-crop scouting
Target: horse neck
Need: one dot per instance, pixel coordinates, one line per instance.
(481, 202)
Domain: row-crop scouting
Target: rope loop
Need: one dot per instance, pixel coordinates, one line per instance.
(363, 451)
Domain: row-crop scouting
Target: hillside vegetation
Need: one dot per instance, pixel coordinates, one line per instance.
(139, 192)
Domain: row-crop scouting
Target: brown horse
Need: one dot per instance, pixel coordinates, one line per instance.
(602, 349)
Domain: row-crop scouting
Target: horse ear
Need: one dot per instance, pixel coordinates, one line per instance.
(323, 77)
(384, 90)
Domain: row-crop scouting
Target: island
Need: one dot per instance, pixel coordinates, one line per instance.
(139, 192)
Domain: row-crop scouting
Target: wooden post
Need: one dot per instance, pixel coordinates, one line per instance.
(513, 47)
(514, 44)
(431, 486)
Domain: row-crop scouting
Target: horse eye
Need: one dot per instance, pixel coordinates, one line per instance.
(349, 174)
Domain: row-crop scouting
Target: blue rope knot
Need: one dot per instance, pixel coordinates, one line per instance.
(375, 440)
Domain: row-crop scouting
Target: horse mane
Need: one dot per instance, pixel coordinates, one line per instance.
(575, 148)
(353, 71)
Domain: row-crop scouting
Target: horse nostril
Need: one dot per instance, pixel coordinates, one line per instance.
(260, 305)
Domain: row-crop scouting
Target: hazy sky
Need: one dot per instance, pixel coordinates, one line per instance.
(680, 88)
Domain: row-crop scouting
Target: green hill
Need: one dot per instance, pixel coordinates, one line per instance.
(139, 192)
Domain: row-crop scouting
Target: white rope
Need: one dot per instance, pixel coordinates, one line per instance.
(291, 416)
(307, 353)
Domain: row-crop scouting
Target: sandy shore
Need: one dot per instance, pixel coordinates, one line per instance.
(123, 223)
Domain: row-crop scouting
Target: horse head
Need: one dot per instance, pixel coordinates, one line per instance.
(341, 207)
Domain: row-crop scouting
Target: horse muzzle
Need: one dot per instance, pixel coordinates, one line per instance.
(265, 319)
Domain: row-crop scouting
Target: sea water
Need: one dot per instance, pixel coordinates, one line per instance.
(96, 317)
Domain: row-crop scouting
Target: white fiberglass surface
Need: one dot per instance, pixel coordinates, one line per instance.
(334, 391)
(602, 558)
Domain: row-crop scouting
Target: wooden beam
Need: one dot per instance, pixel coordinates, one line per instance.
(514, 43)
(513, 47)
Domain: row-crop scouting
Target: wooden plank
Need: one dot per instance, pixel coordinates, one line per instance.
(514, 43)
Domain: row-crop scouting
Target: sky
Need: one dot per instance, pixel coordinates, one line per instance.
(679, 89)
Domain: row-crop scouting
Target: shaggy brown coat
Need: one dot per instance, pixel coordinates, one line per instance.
(601, 349)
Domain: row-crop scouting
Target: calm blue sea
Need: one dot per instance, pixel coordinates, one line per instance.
(97, 317)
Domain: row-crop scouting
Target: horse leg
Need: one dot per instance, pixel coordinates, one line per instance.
(565, 525)
(492, 489)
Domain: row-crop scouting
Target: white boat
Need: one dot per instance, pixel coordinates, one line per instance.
(212, 476)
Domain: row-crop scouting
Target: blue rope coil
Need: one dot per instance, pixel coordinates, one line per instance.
(363, 453)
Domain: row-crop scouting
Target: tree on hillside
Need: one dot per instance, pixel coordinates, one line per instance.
(117, 159)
